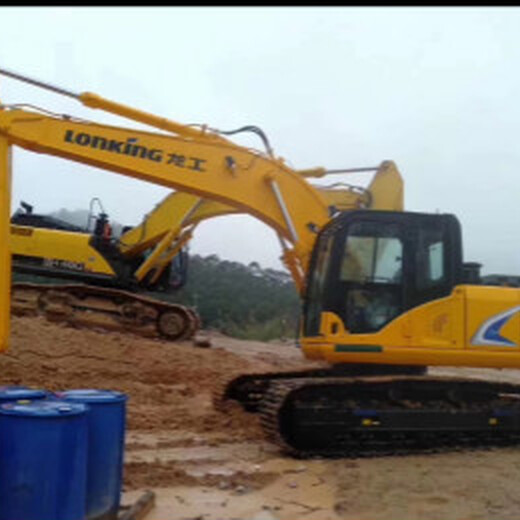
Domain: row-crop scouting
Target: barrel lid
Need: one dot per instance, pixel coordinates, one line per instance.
(41, 408)
(91, 395)
(20, 392)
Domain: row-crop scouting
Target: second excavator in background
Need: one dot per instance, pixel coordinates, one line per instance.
(93, 277)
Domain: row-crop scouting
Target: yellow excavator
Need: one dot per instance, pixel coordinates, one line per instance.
(385, 293)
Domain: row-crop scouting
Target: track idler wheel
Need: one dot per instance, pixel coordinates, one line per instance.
(174, 324)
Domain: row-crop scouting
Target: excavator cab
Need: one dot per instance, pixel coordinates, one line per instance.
(369, 267)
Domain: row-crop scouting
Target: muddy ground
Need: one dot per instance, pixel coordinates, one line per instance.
(204, 464)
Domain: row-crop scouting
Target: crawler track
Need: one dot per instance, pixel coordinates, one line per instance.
(122, 310)
(320, 413)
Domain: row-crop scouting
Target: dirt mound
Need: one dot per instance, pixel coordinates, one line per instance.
(169, 385)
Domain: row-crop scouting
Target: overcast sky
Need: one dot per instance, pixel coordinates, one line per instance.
(434, 89)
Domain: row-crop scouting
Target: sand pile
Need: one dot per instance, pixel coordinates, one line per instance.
(168, 385)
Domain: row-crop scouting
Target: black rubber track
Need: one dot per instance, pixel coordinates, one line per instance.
(319, 413)
(118, 299)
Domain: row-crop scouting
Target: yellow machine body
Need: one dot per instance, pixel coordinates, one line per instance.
(476, 326)
(57, 248)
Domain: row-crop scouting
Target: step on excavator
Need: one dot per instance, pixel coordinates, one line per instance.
(386, 294)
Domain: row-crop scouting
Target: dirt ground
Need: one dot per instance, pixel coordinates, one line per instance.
(208, 465)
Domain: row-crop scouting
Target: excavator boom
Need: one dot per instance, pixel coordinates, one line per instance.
(250, 182)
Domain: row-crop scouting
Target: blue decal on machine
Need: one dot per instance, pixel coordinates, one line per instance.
(489, 332)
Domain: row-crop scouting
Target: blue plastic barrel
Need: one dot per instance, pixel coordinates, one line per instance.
(16, 393)
(43, 460)
(106, 436)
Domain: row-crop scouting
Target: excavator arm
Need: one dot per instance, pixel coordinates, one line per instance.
(171, 223)
(248, 181)
(196, 162)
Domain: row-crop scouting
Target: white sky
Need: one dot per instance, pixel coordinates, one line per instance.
(434, 89)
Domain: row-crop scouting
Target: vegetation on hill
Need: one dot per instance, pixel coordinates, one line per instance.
(240, 300)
